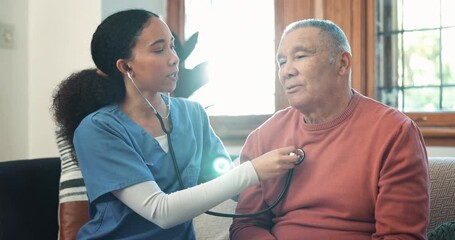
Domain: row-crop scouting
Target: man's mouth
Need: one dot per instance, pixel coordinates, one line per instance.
(292, 88)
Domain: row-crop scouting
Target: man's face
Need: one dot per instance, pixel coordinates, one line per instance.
(305, 71)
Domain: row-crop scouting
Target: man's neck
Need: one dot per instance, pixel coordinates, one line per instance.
(330, 111)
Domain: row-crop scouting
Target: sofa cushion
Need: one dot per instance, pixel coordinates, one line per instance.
(442, 195)
(445, 231)
(215, 228)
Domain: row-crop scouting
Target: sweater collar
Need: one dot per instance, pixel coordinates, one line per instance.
(355, 99)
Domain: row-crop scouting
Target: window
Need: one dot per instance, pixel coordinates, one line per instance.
(416, 55)
(248, 27)
(237, 40)
(415, 61)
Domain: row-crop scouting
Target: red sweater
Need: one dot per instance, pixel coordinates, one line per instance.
(365, 176)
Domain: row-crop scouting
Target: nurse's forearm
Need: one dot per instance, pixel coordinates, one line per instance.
(168, 210)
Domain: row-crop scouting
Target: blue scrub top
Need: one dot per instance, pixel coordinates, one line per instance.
(114, 152)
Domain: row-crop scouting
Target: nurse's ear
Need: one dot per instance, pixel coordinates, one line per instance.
(123, 66)
(127, 68)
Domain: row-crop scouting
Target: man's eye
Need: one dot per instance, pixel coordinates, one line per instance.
(158, 51)
(281, 62)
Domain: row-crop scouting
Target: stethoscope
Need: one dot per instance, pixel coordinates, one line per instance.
(290, 172)
(300, 153)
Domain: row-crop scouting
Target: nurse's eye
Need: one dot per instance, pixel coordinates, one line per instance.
(159, 50)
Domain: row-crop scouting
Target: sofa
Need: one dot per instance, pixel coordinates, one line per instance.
(442, 203)
(29, 200)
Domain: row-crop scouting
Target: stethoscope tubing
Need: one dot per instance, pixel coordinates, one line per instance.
(246, 215)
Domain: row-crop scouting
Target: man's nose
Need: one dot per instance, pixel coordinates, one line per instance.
(288, 71)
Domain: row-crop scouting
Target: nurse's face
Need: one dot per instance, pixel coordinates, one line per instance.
(154, 62)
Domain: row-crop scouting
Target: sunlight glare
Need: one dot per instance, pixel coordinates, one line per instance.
(240, 54)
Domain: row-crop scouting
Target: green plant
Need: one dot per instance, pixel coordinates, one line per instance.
(190, 80)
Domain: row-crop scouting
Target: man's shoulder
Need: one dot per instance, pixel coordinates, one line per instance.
(284, 116)
(380, 109)
(385, 118)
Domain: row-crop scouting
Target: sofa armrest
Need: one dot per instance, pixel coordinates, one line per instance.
(72, 216)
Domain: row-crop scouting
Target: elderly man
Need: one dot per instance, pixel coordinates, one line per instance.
(365, 175)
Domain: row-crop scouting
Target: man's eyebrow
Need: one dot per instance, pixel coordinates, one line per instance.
(303, 49)
(298, 49)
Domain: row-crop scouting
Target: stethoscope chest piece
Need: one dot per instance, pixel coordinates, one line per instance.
(299, 152)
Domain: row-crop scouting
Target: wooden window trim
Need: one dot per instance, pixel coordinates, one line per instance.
(233, 130)
(438, 129)
(175, 17)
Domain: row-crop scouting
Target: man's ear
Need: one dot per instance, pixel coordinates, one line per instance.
(344, 63)
(123, 66)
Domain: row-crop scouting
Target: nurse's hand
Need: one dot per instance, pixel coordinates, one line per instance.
(275, 163)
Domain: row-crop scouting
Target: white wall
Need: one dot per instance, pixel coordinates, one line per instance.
(59, 44)
(112, 6)
(52, 40)
(14, 98)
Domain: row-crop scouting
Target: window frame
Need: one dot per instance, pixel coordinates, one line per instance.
(438, 128)
(357, 19)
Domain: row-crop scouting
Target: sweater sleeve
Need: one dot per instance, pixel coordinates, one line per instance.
(72, 187)
(402, 206)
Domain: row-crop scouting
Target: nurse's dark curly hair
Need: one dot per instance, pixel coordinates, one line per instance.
(86, 91)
